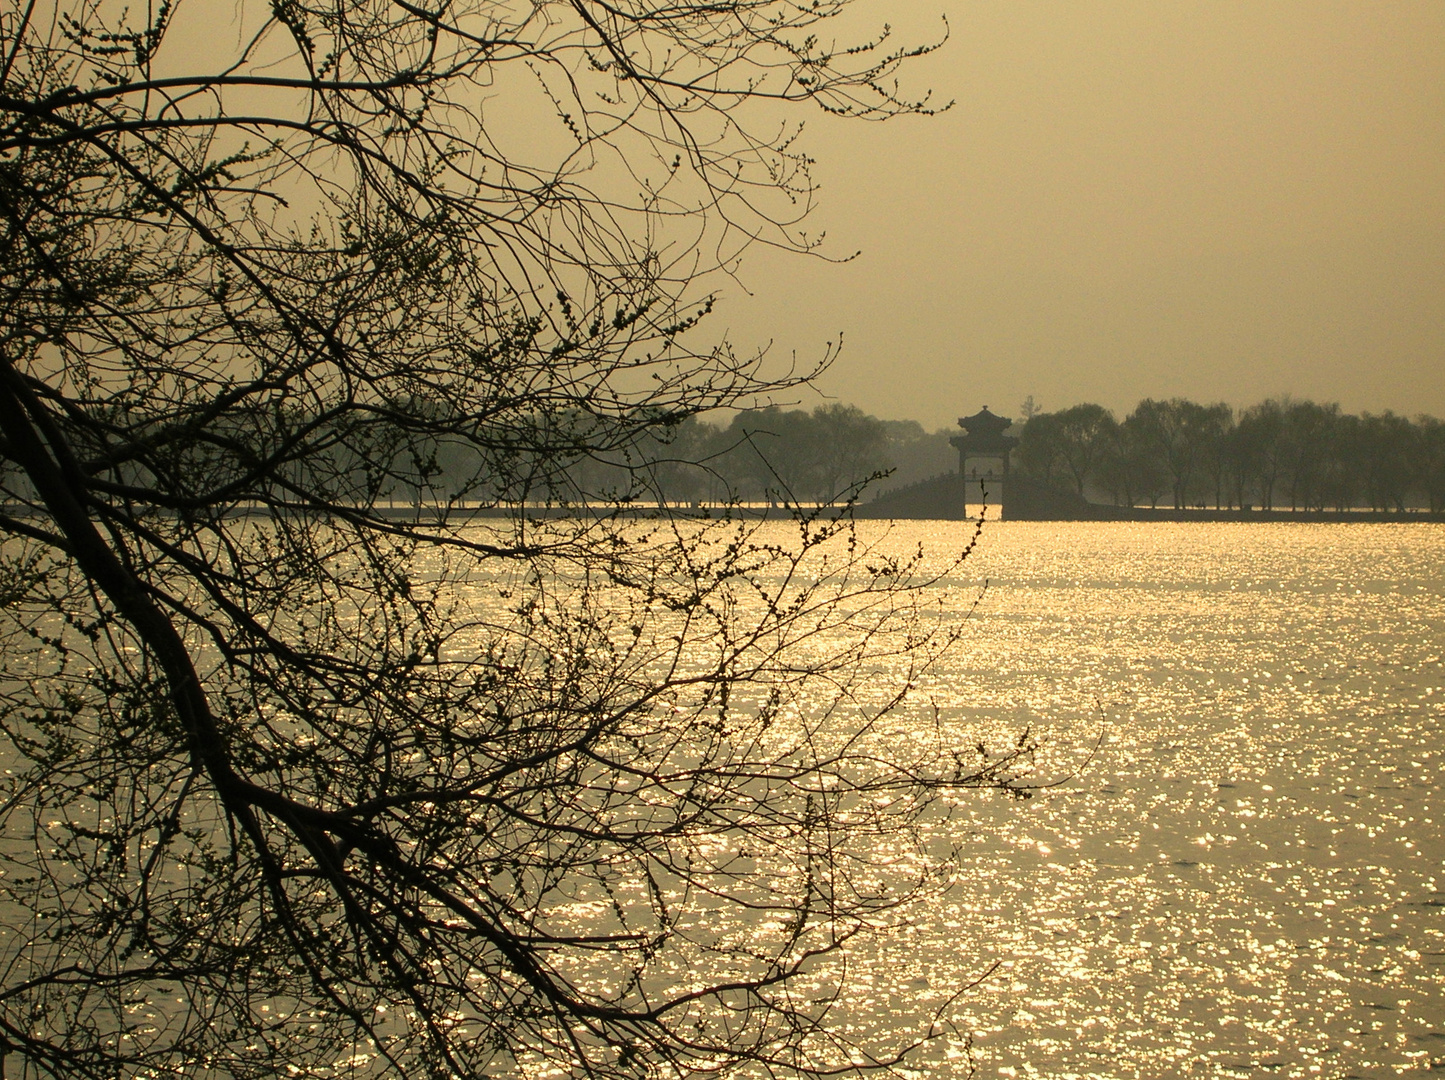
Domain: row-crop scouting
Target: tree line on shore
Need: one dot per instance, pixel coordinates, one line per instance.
(783, 456)
(1278, 453)
(827, 454)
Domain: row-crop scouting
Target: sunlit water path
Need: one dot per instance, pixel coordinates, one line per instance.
(1242, 870)
(1248, 878)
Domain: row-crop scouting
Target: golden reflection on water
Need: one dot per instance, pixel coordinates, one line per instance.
(1248, 877)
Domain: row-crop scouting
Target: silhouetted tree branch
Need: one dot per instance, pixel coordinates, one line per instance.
(299, 781)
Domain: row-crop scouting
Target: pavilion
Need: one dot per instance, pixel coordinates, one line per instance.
(985, 445)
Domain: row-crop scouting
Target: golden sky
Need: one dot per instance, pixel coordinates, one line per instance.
(1221, 200)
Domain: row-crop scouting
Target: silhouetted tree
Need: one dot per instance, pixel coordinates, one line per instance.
(849, 448)
(1386, 456)
(768, 453)
(1305, 438)
(1133, 465)
(1177, 433)
(1040, 450)
(1216, 431)
(678, 460)
(792, 456)
(1430, 472)
(1085, 433)
(1339, 473)
(1257, 451)
(296, 785)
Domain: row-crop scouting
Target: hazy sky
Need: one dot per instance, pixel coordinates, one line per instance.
(1220, 200)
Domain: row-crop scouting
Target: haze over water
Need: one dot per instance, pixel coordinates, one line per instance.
(1248, 877)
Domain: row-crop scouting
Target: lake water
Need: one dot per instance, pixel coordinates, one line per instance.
(1242, 870)
(1248, 877)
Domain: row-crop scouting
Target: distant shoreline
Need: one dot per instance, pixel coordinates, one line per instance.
(866, 512)
(1215, 516)
(874, 511)
(1026, 500)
